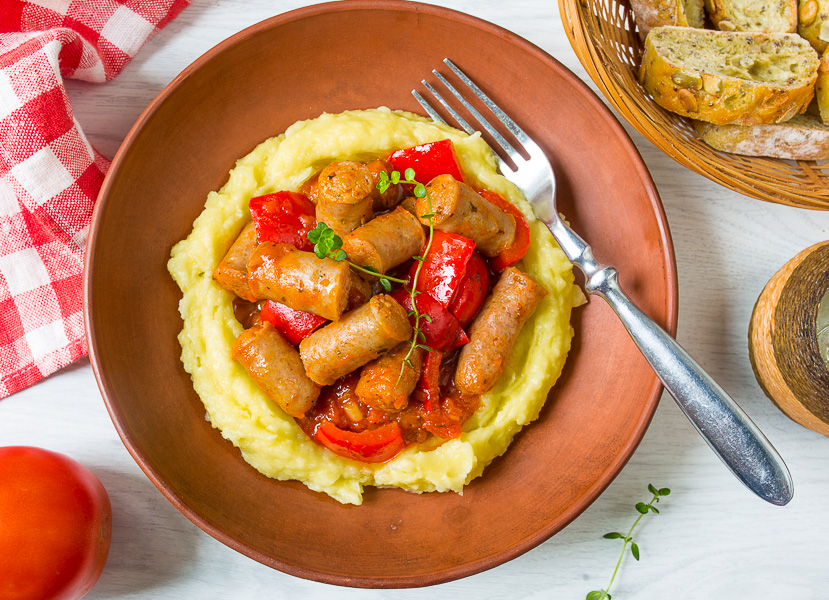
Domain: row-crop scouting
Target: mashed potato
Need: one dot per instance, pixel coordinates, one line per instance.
(269, 439)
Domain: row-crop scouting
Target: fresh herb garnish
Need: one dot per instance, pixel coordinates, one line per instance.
(642, 509)
(419, 191)
(327, 244)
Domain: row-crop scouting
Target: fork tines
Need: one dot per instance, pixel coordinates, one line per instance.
(508, 148)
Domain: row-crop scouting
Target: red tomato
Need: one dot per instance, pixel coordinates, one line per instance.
(519, 247)
(374, 445)
(284, 218)
(55, 526)
(472, 289)
(294, 325)
(427, 160)
(444, 266)
(442, 330)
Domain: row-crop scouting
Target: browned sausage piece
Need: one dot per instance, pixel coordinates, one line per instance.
(232, 272)
(299, 279)
(274, 364)
(359, 337)
(382, 201)
(359, 293)
(385, 383)
(493, 332)
(310, 188)
(459, 209)
(385, 241)
(344, 196)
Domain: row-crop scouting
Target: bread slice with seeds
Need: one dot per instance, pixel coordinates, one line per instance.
(803, 137)
(753, 15)
(656, 13)
(813, 23)
(729, 77)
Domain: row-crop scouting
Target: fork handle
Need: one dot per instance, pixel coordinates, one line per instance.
(717, 417)
(721, 422)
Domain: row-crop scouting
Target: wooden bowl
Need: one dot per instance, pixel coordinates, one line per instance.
(253, 86)
(604, 36)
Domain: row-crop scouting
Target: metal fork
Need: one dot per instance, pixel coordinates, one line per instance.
(727, 429)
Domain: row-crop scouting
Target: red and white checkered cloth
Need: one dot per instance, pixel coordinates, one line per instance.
(49, 174)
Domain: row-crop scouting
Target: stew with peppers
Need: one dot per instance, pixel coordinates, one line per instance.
(381, 302)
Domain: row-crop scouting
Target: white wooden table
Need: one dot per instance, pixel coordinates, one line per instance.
(713, 539)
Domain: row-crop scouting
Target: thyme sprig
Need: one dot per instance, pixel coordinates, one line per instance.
(420, 191)
(327, 244)
(642, 509)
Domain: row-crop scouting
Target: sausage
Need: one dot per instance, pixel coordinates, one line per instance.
(359, 337)
(410, 204)
(299, 279)
(382, 201)
(344, 196)
(310, 188)
(274, 364)
(385, 382)
(360, 292)
(232, 272)
(386, 241)
(494, 331)
(459, 209)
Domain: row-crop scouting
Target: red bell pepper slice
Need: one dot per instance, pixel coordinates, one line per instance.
(444, 266)
(441, 330)
(427, 160)
(428, 386)
(472, 290)
(519, 246)
(372, 446)
(294, 325)
(284, 218)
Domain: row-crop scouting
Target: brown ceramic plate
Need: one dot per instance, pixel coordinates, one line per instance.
(332, 57)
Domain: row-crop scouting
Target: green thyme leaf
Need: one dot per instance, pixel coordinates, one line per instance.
(409, 174)
(634, 549)
(653, 490)
(340, 255)
(385, 283)
(426, 318)
(613, 535)
(664, 492)
(395, 177)
(642, 507)
(425, 347)
(420, 190)
(595, 595)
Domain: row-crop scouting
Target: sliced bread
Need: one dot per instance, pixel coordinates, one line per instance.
(753, 15)
(656, 13)
(813, 23)
(729, 77)
(803, 137)
(822, 87)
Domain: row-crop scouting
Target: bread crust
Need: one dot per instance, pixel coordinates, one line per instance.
(803, 137)
(723, 77)
(813, 23)
(750, 15)
(657, 13)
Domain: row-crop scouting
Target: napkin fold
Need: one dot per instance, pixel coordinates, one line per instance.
(49, 173)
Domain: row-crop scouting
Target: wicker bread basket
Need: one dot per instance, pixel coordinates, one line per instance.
(603, 34)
